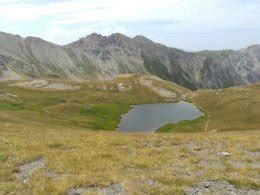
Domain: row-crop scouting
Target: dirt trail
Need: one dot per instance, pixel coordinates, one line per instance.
(207, 124)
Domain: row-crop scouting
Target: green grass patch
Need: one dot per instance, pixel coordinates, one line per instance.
(105, 116)
(10, 106)
(55, 145)
(196, 125)
(255, 150)
(2, 157)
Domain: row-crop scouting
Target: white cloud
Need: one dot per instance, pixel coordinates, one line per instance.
(62, 13)
(64, 36)
(66, 20)
(75, 11)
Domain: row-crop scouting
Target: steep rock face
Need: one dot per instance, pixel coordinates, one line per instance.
(53, 58)
(104, 57)
(32, 57)
(230, 68)
(253, 65)
(113, 55)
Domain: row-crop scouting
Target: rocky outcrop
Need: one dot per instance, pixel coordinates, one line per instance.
(212, 187)
(105, 57)
(43, 84)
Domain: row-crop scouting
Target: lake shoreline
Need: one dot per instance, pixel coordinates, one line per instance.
(189, 108)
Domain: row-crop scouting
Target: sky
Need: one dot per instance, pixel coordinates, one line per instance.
(191, 25)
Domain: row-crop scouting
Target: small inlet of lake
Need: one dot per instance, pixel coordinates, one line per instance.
(149, 117)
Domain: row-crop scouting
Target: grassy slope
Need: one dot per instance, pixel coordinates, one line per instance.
(91, 106)
(94, 108)
(230, 109)
(236, 108)
(148, 163)
(86, 158)
(187, 126)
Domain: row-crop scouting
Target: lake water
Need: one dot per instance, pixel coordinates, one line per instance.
(149, 117)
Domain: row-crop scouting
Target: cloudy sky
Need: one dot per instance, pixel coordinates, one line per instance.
(187, 24)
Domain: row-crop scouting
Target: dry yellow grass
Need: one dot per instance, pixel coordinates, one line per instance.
(141, 163)
(231, 109)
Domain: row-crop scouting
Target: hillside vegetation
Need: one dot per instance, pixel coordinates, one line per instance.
(230, 109)
(59, 137)
(98, 105)
(234, 108)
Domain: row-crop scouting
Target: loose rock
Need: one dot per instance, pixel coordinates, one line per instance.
(27, 169)
(164, 93)
(109, 190)
(224, 154)
(43, 84)
(211, 187)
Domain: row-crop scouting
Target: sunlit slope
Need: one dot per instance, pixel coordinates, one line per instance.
(98, 105)
(95, 105)
(236, 108)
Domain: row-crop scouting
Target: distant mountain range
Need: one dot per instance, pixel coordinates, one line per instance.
(104, 57)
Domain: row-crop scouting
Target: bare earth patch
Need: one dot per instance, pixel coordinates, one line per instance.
(26, 170)
(164, 93)
(109, 190)
(43, 84)
(125, 75)
(122, 87)
(8, 95)
(211, 187)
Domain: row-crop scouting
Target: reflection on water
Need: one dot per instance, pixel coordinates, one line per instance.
(149, 117)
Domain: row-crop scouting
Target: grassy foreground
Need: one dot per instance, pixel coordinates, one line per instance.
(147, 163)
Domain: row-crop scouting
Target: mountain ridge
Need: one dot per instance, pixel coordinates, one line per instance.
(104, 57)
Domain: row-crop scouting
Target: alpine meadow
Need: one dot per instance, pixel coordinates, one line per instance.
(115, 112)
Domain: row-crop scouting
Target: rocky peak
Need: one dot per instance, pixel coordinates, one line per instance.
(104, 57)
(255, 49)
(93, 35)
(6, 38)
(4, 34)
(34, 39)
(97, 40)
(142, 39)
